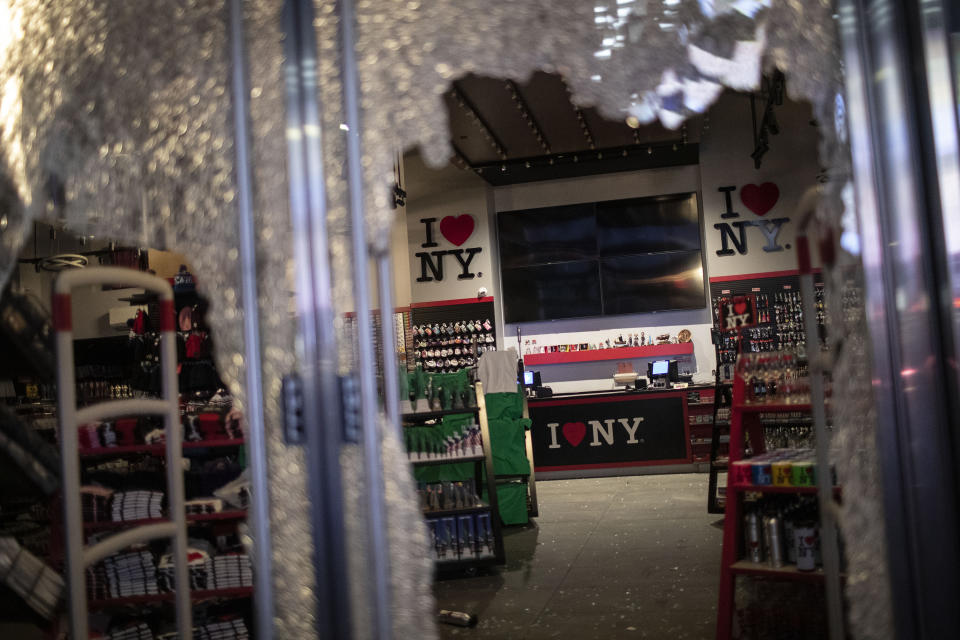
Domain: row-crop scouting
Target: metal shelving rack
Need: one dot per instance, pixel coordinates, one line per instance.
(483, 464)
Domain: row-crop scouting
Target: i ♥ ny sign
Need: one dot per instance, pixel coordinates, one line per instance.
(602, 432)
(456, 230)
(606, 431)
(760, 199)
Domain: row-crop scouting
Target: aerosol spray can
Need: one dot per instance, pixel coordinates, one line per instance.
(805, 539)
(754, 538)
(773, 536)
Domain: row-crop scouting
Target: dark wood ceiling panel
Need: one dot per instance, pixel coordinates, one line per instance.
(548, 100)
(607, 133)
(467, 137)
(492, 99)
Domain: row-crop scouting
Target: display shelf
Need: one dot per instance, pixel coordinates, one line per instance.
(195, 596)
(462, 563)
(770, 407)
(480, 508)
(786, 572)
(421, 463)
(156, 449)
(106, 525)
(773, 488)
(432, 415)
(613, 353)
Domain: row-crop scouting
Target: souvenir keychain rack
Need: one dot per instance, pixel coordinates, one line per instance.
(483, 467)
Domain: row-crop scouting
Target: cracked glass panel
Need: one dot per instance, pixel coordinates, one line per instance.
(107, 129)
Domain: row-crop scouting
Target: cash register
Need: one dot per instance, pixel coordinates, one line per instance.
(662, 373)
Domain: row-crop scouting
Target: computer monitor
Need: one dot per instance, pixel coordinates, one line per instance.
(531, 379)
(659, 368)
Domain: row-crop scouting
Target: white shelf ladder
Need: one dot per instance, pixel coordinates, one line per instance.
(78, 556)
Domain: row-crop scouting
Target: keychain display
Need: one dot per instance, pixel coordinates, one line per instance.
(449, 346)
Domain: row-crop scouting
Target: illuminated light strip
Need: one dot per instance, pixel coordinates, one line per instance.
(527, 116)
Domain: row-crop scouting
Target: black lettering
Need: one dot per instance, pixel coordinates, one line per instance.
(465, 264)
(727, 236)
(729, 213)
(435, 269)
(428, 223)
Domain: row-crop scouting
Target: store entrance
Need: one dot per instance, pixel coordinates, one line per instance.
(602, 258)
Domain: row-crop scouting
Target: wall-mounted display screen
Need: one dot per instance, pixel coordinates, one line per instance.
(652, 282)
(550, 291)
(605, 258)
(544, 236)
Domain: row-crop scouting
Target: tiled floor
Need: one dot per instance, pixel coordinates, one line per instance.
(631, 557)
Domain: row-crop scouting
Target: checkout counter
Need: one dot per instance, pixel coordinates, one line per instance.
(603, 430)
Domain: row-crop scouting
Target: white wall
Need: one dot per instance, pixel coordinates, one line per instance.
(437, 194)
(791, 164)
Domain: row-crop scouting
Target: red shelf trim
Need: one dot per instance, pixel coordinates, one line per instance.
(158, 449)
(449, 303)
(238, 592)
(193, 517)
(763, 274)
(789, 572)
(616, 353)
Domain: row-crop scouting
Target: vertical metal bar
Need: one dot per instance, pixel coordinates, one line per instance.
(322, 410)
(256, 427)
(373, 465)
(895, 206)
(391, 385)
(828, 525)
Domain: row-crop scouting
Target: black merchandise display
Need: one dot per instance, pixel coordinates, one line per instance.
(779, 315)
(614, 257)
(447, 338)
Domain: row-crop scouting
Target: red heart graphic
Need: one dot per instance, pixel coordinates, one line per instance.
(574, 432)
(809, 540)
(760, 199)
(457, 229)
(740, 307)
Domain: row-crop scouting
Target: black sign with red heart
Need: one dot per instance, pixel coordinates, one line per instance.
(736, 312)
(623, 430)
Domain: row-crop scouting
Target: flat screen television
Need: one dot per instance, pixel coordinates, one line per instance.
(614, 257)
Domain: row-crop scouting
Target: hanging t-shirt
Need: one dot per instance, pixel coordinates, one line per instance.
(498, 371)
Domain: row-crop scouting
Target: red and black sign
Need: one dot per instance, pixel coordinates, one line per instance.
(622, 430)
(738, 311)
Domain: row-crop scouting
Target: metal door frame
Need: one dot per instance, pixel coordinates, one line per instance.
(899, 208)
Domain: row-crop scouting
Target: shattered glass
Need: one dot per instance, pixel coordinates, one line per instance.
(118, 124)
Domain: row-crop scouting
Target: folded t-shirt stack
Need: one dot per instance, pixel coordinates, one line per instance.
(229, 629)
(198, 567)
(95, 502)
(232, 570)
(132, 631)
(122, 575)
(136, 505)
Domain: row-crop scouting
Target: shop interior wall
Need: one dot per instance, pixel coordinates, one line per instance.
(92, 305)
(725, 161)
(599, 375)
(726, 144)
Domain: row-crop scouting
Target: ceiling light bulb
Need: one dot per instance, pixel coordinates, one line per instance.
(649, 151)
